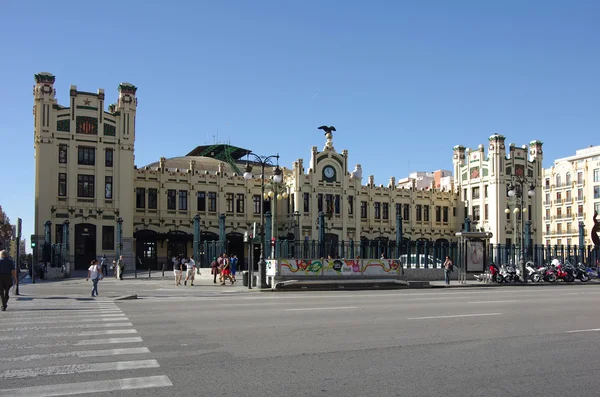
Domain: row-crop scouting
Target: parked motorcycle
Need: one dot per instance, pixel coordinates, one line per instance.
(580, 273)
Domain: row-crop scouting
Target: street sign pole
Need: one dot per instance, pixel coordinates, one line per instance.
(18, 256)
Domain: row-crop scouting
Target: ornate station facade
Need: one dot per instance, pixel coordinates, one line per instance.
(90, 194)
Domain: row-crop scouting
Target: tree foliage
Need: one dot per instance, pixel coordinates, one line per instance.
(6, 229)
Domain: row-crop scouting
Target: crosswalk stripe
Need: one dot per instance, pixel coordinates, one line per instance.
(69, 320)
(81, 354)
(69, 326)
(63, 312)
(69, 389)
(77, 369)
(66, 334)
(133, 339)
(86, 342)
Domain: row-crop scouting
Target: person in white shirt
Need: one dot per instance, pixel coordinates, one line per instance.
(191, 269)
(95, 273)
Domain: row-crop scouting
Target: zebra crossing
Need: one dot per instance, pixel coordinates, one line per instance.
(61, 347)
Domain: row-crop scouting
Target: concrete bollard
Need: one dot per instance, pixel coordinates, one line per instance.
(163, 270)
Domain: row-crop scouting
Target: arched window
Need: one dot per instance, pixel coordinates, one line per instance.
(557, 180)
(568, 178)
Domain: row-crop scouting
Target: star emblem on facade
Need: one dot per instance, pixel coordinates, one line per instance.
(87, 102)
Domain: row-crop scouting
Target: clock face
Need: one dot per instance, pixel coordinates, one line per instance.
(329, 173)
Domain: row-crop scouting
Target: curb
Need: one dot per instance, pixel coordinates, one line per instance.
(126, 297)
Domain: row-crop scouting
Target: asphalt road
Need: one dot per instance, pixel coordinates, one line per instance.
(512, 341)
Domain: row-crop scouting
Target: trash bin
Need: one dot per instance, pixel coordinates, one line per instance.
(245, 278)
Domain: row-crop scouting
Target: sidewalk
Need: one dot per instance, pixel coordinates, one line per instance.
(479, 284)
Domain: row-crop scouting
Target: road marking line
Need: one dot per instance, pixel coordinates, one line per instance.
(454, 316)
(83, 353)
(77, 369)
(484, 302)
(69, 320)
(321, 308)
(87, 342)
(584, 330)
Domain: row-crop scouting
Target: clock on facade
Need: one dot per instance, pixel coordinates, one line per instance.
(329, 173)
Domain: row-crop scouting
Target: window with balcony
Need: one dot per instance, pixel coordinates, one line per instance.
(183, 195)
(86, 155)
(85, 186)
(579, 178)
(559, 213)
(152, 199)
(547, 183)
(201, 201)
(547, 199)
(580, 210)
(172, 199)
(579, 194)
(569, 227)
(568, 212)
(475, 193)
(568, 178)
(548, 228)
(140, 198)
(559, 228)
(548, 213)
(558, 197)
(568, 198)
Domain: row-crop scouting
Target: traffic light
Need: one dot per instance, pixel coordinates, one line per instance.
(32, 241)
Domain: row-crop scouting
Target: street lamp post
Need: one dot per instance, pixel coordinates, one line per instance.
(517, 189)
(277, 177)
(297, 234)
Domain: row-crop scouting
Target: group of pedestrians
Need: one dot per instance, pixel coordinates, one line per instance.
(118, 266)
(179, 263)
(225, 267)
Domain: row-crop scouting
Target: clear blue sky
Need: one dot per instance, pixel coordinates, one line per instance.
(402, 81)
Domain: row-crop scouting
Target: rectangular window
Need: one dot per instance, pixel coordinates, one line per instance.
(419, 215)
(569, 211)
(239, 203)
(108, 187)
(597, 207)
(172, 199)
(108, 158)
(329, 203)
(547, 198)
(320, 202)
(86, 155)
(547, 213)
(579, 194)
(486, 212)
(559, 213)
(559, 228)
(426, 213)
(183, 194)
(140, 198)
(445, 214)
(558, 196)
(336, 204)
(108, 238)
(85, 186)
(62, 153)
(212, 201)
(475, 193)
(596, 192)
(256, 203)
(201, 201)
(579, 178)
(476, 213)
(465, 198)
(377, 210)
(350, 205)
(386, 211)
(547, 183)
(306, 202)
(62, 184)
(363, 210)
(597, 175)
(548, 228)
(485, 191)
(580, 210)
(438, 213)
(406, 215)
(152, 199)
(229, 202)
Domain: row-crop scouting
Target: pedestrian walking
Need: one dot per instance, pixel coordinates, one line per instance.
(121, 267)
(448, 268)
(190, 271)
(94, 273)
(226, 272)
(104, 265)
(233, 264)
(214, 269)
(8, 275)
(177, 271)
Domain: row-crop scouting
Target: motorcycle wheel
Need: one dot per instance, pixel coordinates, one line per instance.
(551, 278)
(569, 279)
(584, 277)
(536, 278)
